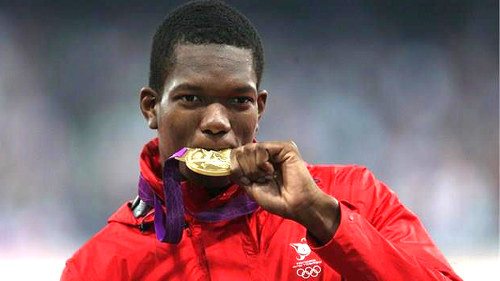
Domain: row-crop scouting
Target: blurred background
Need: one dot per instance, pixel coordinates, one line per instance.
(407, 88)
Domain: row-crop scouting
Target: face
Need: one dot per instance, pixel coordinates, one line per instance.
(210, 100)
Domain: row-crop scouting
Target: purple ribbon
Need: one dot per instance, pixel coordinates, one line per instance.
(169, 226)
(238, 206)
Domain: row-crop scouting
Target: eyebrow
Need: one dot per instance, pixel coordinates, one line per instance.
(187, 87)
(244, 89)
(195, 88)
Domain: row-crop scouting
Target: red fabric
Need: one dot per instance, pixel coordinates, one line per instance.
(150, 165)
(378, 239)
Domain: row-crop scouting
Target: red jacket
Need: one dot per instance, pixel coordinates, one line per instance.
(377, 239)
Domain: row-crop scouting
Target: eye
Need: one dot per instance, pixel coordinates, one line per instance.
(189, 98)
(241, 100)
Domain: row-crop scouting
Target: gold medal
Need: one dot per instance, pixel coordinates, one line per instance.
(208, 162)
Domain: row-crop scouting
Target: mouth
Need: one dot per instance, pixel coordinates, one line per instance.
(215, 147)
(206, 181)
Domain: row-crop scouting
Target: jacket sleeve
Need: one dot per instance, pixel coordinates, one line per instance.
(378, 238)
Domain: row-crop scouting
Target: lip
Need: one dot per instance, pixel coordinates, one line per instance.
(216, 148)
(209, 143)
(213, 146)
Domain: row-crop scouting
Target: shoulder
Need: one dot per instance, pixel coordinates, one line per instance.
(344, 176)
(110, 251)
(355, 184)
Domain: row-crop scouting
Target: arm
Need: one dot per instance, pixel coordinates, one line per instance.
(382, 240)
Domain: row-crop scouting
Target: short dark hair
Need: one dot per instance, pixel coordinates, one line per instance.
(201, 22)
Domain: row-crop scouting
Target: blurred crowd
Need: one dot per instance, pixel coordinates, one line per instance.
(407, 88)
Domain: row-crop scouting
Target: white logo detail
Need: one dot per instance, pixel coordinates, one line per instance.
(309, 271)
(302, 249)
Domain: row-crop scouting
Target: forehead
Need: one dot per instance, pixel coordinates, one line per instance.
(212, 62)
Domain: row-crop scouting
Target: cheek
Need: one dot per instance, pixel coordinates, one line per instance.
(175, 131)
(245, 128)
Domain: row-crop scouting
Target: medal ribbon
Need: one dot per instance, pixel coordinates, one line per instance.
(174, 216)
(169, 225)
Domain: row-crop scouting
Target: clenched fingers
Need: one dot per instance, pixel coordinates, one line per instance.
(251, 163)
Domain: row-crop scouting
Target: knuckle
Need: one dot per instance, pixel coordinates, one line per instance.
(251, 147)
(261, 164)
(245, 148)
(291, 145)
(238, 151)
(260, 148)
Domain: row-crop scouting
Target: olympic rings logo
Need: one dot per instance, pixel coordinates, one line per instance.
(309, 271)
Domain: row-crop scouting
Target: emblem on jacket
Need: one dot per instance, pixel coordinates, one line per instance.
(305, 268)
(302, 249)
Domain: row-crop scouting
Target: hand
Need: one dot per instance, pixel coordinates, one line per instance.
(275, 176)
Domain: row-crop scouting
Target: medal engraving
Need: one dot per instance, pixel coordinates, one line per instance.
(208, 162)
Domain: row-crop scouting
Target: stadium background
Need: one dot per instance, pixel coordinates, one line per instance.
(407, 88)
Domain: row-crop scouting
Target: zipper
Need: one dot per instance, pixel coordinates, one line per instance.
(194, 233)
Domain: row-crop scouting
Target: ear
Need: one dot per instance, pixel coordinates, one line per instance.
(148, 99)
(261, 102)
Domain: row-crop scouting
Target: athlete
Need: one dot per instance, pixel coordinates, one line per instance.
(275, 217)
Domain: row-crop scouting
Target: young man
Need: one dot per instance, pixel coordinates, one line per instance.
(274, 217)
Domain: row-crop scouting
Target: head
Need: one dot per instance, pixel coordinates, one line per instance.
(206, 66)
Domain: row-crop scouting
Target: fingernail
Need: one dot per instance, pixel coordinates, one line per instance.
(269, 177)
(245, 180)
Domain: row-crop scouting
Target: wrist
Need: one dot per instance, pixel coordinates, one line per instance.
(322, 218)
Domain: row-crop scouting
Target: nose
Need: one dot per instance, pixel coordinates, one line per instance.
(215, 120)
